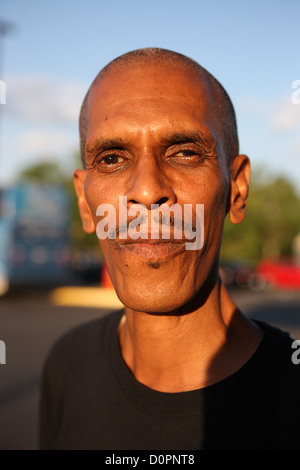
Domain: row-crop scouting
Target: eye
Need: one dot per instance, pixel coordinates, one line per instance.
(189, 155)
(111, 160)
(186, 153)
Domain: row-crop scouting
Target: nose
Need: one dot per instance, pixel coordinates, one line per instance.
(149, 184)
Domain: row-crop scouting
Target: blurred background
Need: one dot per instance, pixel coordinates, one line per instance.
(52, 275)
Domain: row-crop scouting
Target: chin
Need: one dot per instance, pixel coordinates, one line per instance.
(154, 301)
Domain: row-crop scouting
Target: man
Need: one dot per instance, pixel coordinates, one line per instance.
(181, 367)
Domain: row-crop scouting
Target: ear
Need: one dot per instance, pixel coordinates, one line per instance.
(240, 180)
(84, 210)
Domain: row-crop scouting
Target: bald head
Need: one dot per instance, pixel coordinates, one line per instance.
(222, 109)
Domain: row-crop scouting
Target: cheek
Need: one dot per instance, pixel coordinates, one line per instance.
(212, 191)
(97, 193)
(92, 191)
(213, 195)
(215, 212)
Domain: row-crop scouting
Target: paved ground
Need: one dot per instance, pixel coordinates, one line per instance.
(30, 323)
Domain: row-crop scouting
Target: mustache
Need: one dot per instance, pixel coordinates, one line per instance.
(162, 224)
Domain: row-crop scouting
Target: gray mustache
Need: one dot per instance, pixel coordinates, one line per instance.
(161, 222)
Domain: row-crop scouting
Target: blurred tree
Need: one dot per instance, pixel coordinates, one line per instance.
(44, 172)
(271, 224)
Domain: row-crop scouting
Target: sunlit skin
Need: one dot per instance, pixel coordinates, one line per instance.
(152, 138)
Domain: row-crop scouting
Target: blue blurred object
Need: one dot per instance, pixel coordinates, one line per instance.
(34, 236)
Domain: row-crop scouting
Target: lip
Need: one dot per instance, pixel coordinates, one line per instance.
(153, 250)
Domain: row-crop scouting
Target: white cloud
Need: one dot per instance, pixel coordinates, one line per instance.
(279, 114)
(36, 99)
(39, 122)
(286, 115)
(47, 143)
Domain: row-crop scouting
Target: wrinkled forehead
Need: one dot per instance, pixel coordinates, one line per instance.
(163, 87)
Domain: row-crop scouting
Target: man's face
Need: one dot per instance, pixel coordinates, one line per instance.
(151, 137)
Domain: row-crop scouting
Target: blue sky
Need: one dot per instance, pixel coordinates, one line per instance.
(58, 47)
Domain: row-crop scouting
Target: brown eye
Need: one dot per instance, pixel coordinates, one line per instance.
(111, 160)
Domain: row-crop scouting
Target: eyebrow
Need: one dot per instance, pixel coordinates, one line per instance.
(105, 144)
(207, 141)
(200, 138)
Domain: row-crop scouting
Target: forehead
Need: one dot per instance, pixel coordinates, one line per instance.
(146, 96)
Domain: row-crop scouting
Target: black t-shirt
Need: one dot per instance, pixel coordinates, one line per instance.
(91, 400)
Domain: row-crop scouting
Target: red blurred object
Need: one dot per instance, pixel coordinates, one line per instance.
(283, 274)
(105, 278)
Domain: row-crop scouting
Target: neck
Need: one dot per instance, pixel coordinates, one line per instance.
(175, 353)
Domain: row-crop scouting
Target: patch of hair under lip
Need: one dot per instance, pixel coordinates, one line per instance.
(154, 264)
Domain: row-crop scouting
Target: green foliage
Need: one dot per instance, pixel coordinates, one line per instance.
(271, 223)
(45, 173)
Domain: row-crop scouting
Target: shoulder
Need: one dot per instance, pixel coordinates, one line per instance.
(274, 357)
(278, 341)
(82, 342)
(278, 361)
(284, 351)
(289, 416)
